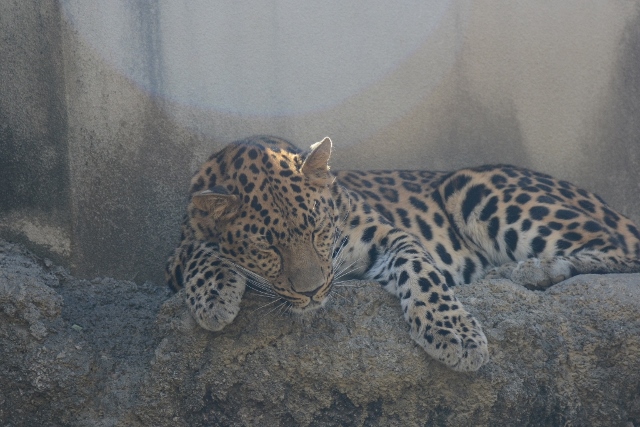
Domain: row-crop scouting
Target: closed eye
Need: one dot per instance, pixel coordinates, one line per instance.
(262, 246)
(265, 242)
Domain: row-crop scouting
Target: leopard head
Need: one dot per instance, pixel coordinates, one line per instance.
(269, 208)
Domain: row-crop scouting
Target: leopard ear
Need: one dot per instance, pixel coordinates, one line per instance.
(316, 165)
(217, 202)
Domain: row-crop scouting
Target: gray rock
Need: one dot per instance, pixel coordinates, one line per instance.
(107, 352)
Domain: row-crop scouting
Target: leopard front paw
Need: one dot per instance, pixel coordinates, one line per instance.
(458, 341)
(213, 315)
(214, 305)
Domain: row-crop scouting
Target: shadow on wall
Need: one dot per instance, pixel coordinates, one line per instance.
(129, 178)
(614, 149)
(477, 134)
(454, 132)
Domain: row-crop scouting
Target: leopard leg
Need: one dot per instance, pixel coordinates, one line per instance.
(438, 321)
(214, 287)
(541, 273)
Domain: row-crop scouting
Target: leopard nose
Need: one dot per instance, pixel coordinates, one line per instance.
(306, 292)
(312, 293)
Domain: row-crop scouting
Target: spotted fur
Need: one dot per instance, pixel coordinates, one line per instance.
(265, 214)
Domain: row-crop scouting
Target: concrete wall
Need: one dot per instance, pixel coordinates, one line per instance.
(34, 171)
(106, 108)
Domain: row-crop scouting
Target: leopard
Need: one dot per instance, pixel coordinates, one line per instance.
(266, 215)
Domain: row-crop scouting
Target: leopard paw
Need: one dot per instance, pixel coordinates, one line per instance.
(214, 316)
(458, 342)
(214, 305)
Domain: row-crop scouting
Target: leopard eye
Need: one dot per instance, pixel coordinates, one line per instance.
(265, 255)
(321, 239)
(263, 242)
(323, 222)
(261, 245)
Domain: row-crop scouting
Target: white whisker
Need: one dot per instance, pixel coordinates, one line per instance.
(334, 294)
(275, 308)
(258, 286)
(343, 245)
(340, 268)
(264, 294)
(255, 282)
(347, 271)
(285, 308)
(265, 305)
(341, 284)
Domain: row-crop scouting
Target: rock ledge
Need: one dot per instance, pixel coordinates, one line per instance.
(106, 353)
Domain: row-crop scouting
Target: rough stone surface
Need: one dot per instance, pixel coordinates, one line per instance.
(106, 353)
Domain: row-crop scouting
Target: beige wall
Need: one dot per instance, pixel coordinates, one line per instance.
(106, 108)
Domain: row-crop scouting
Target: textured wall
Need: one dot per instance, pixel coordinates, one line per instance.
(106, 108)
(34, 173)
